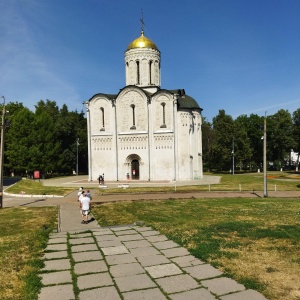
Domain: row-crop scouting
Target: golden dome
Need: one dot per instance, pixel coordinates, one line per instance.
(142, 42)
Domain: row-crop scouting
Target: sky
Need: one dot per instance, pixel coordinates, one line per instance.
(242, 56)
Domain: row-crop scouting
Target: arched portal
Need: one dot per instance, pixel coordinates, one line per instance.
(135, 169)
(134, 162)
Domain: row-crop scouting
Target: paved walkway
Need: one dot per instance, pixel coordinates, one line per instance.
(126, 262)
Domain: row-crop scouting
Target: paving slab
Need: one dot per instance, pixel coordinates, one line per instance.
(149, 294)
(124, 232)
(106, 244)
(187, 261)
(165, 245)
(57, 235)
(57, 264)
(121, 228)
(90, 267)
(80, 235)
(56, 247)
(203, 271)
(156, 238)
(177, 283)
(126, 270)
(61, 292)
(150, 233)
(244, 295)
(79, 241)
(140, 229)
(104, 293)
(137, 244)
(85, 247)
(222, 286)
(180, 251)
(130, 237)
(56, 254)
(94, 280)
(134, 282)
(87, 255)
(163, 270)
(138, 252)
(115, 250)
(106, 237)
(102, 231)
(152, 260)
(120, 259)
(198, 294)
(56, 277)
(58, 240)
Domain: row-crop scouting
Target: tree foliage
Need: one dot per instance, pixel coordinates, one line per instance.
(240, 141)
(44, 140)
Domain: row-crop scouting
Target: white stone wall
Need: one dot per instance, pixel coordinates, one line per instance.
(144, 56)
(163, 153)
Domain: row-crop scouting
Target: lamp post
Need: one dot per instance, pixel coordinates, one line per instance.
(2, 152)
(77, 144)
(232, 156)
(265, 157)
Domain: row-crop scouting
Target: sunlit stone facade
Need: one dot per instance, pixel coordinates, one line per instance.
(144, 131)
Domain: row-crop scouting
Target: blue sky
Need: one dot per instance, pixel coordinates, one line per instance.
(242, 56)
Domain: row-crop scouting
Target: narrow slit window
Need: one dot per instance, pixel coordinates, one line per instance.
(133, 116)
(163, 115)
(137, 72)
(150, 72)
(102, 119)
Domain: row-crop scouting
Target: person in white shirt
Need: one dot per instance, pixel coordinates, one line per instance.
(85, 208)
(79, 192)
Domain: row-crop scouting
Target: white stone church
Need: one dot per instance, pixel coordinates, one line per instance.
(144, 132)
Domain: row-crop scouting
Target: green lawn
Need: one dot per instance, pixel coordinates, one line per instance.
(280, 181)
(255, 241)
(24, 233)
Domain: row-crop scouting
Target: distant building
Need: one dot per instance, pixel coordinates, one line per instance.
(144, 132)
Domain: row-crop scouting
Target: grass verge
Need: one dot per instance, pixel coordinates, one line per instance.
(31, 187)
(24, 233)
(254, 241)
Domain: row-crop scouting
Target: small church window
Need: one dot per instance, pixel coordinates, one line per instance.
(163, 115)
(102, 119)
(137, 72)
(150, 72)
(133, 116)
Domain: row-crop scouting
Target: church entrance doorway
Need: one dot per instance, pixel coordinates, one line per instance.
(135, 169)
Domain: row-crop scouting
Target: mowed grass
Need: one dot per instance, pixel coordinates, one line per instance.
(280, 181)
(24, 233)
(31, 187)
(254, 241)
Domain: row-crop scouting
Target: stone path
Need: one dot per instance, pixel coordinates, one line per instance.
(127, 262)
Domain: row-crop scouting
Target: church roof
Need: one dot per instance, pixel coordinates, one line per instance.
(142, 42)
(185, 101)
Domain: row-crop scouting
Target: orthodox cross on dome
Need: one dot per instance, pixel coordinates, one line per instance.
(142, 21)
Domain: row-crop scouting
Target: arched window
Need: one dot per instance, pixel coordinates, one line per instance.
(102, 119)
(163, 104)
(133, 116)
(137, 72)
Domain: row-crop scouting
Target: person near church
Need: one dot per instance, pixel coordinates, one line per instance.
(88, 194)
(79, 193)
(85, 204)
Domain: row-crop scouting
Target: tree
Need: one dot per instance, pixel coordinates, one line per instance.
(280, 139)
(223, 127)
(19, 140)
(207, 142)
(242, 143)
